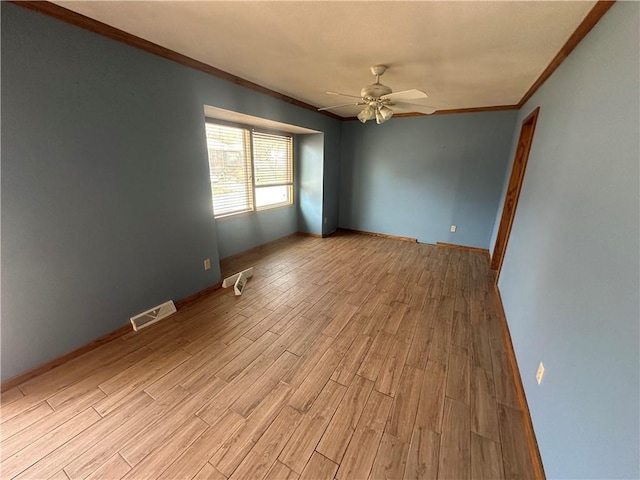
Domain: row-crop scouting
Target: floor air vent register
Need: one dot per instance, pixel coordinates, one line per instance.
(153, 315)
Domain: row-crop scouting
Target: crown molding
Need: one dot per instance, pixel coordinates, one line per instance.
(87, 23)
(496, 108)
(589, 21)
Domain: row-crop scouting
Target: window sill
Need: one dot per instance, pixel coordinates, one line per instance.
(234, 216)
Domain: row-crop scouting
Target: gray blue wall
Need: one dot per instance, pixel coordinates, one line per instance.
(243, 232)
(417, 176)
(570, 280)
(106, 205)
(309, 175)
(331, 185)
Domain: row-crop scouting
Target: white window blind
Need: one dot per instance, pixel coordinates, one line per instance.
(229, 169)
(248, 170)
(273, 169)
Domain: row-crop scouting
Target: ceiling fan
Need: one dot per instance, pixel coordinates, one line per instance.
(378, 98)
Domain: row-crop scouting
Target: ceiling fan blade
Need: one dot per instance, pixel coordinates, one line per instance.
(343, 94)
(412, 107)
(406, 95)
(340, 106)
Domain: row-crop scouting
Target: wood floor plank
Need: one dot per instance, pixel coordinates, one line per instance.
(10, 395)
(422, 460)
(279, 471)
(391, 458)
(75, 370)
(308, 362)
(462, 304)
(202, 336)
(285, 321)
(12, 445)
(441, 341)
(135, 379)
(217, 406)
(455, 449)
(102, 374)
(264, 454)
(338, 434)
(203, 375)
(122, 433)
(377, 316)
(25, 419)
(342, 317)
(308, 390)
(235, 448)
(253, 395)
(458, 374)
(421, 343)
(20, 461)
(319, 468)
(408, 323)
(189, 463)
(405, 404)
(480, 347)
(298, 328)
(352, 360)
(155, 462)
(115, 467)
(304, 440)
(208, 472)
(391, 370)
(431, 406)
(504, 382)
(361, 452)
(349, 333)
(63, 455)
(144, 372)
(486, 459)
(308, 336)
(60, 475)
(263, 320)
(460, 336)
(157, 433)
(484, 409)
(178, 374)
(372, 363)
(351, 356)
(232, 369)
(392, 324)
(515, 452)
(358, 297)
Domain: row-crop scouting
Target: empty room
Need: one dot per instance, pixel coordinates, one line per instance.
(320, 240)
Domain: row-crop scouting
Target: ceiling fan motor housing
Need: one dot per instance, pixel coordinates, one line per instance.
(374, 91)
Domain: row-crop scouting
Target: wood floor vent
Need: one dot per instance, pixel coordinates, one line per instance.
(153, 315)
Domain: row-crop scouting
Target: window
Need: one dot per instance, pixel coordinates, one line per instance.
(249, 170)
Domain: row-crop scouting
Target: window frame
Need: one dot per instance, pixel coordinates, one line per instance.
(253, 207)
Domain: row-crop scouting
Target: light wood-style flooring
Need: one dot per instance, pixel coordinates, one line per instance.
(350, 357)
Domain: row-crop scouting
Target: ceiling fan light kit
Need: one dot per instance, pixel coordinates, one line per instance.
(368, 113)
(377, 99)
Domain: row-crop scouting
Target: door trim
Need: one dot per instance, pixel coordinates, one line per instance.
(513, 190)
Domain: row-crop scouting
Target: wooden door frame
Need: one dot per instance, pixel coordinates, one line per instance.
(521, 157)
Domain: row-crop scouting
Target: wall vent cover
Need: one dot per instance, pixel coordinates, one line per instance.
(153, 315)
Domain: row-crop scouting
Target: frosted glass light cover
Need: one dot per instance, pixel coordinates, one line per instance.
(386, 113)
(366, 114)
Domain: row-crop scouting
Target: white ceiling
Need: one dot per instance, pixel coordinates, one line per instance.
(463, 54)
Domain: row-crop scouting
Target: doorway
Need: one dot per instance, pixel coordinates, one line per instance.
(513, 191)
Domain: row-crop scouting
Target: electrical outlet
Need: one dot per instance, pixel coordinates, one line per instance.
(207, 263)
(453, 229)
(325, 219)
(540, 373)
